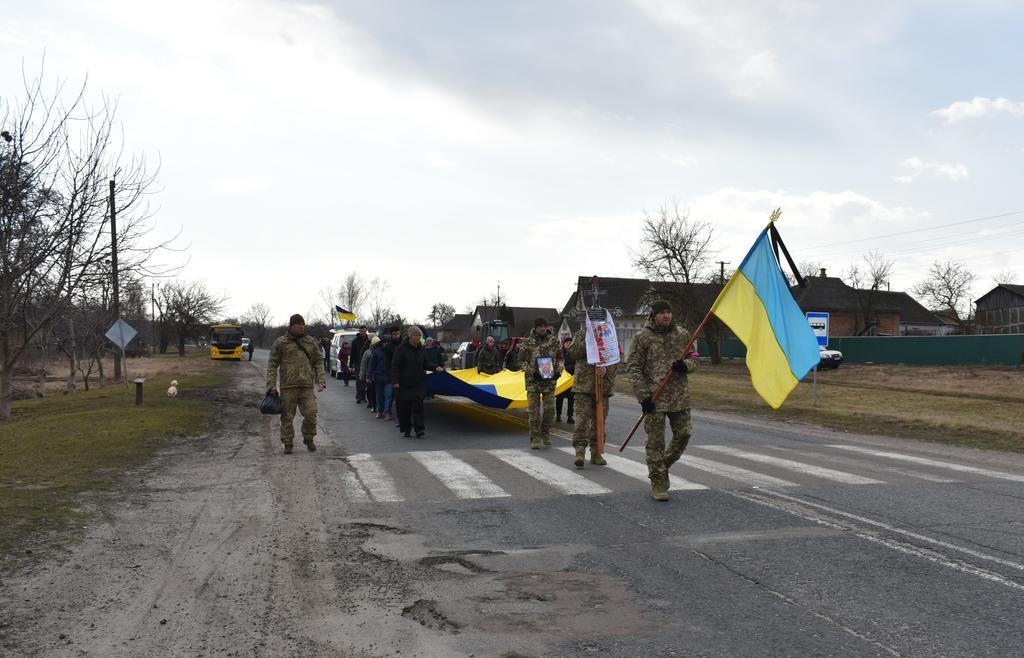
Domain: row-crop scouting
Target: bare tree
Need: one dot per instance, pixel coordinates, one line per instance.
(440, 314)
(258, 316)
(189, 308)
(948, 288)
(56, 159)
(379, 303)
(868, 280)
(1005, 276)
(494, 298)
(353, 293)
(674, 247)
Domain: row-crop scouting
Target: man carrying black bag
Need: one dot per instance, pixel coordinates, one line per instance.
(297, 355)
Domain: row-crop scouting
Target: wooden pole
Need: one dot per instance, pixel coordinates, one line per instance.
(116, 298)
(666, 379)
(599, 407)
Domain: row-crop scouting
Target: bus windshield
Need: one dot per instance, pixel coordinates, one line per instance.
(226, 338)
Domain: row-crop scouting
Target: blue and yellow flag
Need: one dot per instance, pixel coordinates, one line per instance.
(502, 390)
(757, 305)
(344, 314)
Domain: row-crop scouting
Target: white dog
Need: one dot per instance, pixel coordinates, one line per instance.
(173, 390)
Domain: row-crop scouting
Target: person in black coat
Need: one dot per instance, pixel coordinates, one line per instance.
(566, 397)
(360, 344)
(409, 381)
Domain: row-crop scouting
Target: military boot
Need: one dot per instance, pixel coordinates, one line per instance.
(659, 489)
(534, 444)
(581, 456)
(596, 458)
(310, 446)
(287, 448)
(547, 440)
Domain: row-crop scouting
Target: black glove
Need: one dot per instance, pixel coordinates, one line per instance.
(539, 377)
(679, 367)
(647, 404)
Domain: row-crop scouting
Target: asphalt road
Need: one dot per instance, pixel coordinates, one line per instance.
(779, 539)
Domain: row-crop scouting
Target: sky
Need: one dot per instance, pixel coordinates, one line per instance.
(448, 146)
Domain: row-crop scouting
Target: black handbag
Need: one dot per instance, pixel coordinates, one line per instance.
(271, 404)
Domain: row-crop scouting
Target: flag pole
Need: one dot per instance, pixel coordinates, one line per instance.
(668, 377)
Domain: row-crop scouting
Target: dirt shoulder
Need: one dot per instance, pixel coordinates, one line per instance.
(218, 545)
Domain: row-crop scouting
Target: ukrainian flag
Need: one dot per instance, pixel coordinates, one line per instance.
(346, 315)
(757, 305)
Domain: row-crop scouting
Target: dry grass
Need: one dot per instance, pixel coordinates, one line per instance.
(976, 406)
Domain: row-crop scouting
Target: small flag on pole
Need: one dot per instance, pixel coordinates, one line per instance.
(344, 314)
(758, 306)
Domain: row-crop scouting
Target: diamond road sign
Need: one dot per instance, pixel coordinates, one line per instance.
(121, 333)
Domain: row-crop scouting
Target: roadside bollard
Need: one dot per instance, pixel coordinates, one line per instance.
(138, 390)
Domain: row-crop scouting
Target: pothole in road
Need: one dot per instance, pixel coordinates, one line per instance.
(425, 613)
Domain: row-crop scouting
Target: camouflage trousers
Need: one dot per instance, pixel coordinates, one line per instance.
(660, 457)
(585, 433)
(542, 411)
(304, 400)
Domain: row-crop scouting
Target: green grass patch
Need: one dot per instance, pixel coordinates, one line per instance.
(934, 403)
(54, 450)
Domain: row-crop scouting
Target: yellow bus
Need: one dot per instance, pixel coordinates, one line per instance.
(226, 341)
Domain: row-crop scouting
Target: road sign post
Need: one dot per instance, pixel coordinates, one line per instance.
(121, 333)
(819, 325)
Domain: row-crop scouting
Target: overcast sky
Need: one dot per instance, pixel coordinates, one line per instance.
(446, 146)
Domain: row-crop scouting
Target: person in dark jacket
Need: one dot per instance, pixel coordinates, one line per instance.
(512, 356)
(566, 396)
(434, 354)
(380, 376)
(409, 380)
(344, 371)
(488, 359)
(360, 344)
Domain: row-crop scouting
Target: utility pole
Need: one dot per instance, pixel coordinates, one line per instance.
(115, 297)
(721, 270)
(152, 315)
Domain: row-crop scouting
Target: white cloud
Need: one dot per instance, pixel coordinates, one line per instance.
(681, 160)
(978, 108)
(953, 172)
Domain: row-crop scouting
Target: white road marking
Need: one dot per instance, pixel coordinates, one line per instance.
(905, 472)
(636, 470)
(792, 505)
(349, 482)
(376, 480)
(789, 464)
(566, 481)
(462, 479)
(734, 472)
(953, 466)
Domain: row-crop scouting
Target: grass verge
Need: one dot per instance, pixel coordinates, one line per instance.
(982, 407)
(55, 450)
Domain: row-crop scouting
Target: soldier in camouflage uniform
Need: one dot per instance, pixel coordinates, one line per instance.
(656, 350)
(297, 356)
(583, 387)
(488, 359)
(540, 392)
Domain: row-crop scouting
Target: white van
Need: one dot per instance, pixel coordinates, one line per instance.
(340, 335)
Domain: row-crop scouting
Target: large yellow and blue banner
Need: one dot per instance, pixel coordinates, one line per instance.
(502, 390)
(758, 306)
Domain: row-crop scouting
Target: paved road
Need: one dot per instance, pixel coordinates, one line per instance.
(778, 538)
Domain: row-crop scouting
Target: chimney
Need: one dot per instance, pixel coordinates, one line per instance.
(823, 272)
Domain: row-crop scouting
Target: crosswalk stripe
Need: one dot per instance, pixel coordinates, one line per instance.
(376, 480)
(734, 472)
(905, 472)
(953, 466)
(566, 481)
(789, 464)
(462, 479)
(636, 470)
(349, 482)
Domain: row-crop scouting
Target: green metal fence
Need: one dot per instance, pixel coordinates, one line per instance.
(1001, 349)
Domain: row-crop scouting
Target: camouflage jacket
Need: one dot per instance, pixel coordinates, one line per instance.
(586, 374)
(488, 361)
(299, 361)
(650, 359)
(537, 346)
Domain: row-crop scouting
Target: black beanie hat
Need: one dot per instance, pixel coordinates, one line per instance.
(295, 319)
(539, 322)
(659, 306)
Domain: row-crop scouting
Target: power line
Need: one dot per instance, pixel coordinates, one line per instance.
(940, 242)
(918, 230)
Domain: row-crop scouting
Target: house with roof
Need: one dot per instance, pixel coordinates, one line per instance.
(456, 330)
(1000, 310)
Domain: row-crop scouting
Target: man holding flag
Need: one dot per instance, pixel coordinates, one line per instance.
(656, 350)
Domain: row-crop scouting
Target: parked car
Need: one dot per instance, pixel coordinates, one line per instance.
(245, 344)
(458, 359)
(829, 358)
(339, 336)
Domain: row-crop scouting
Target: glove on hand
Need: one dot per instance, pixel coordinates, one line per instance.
(693, 355)
(539, 377)
(647, 404)
(679, 367)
